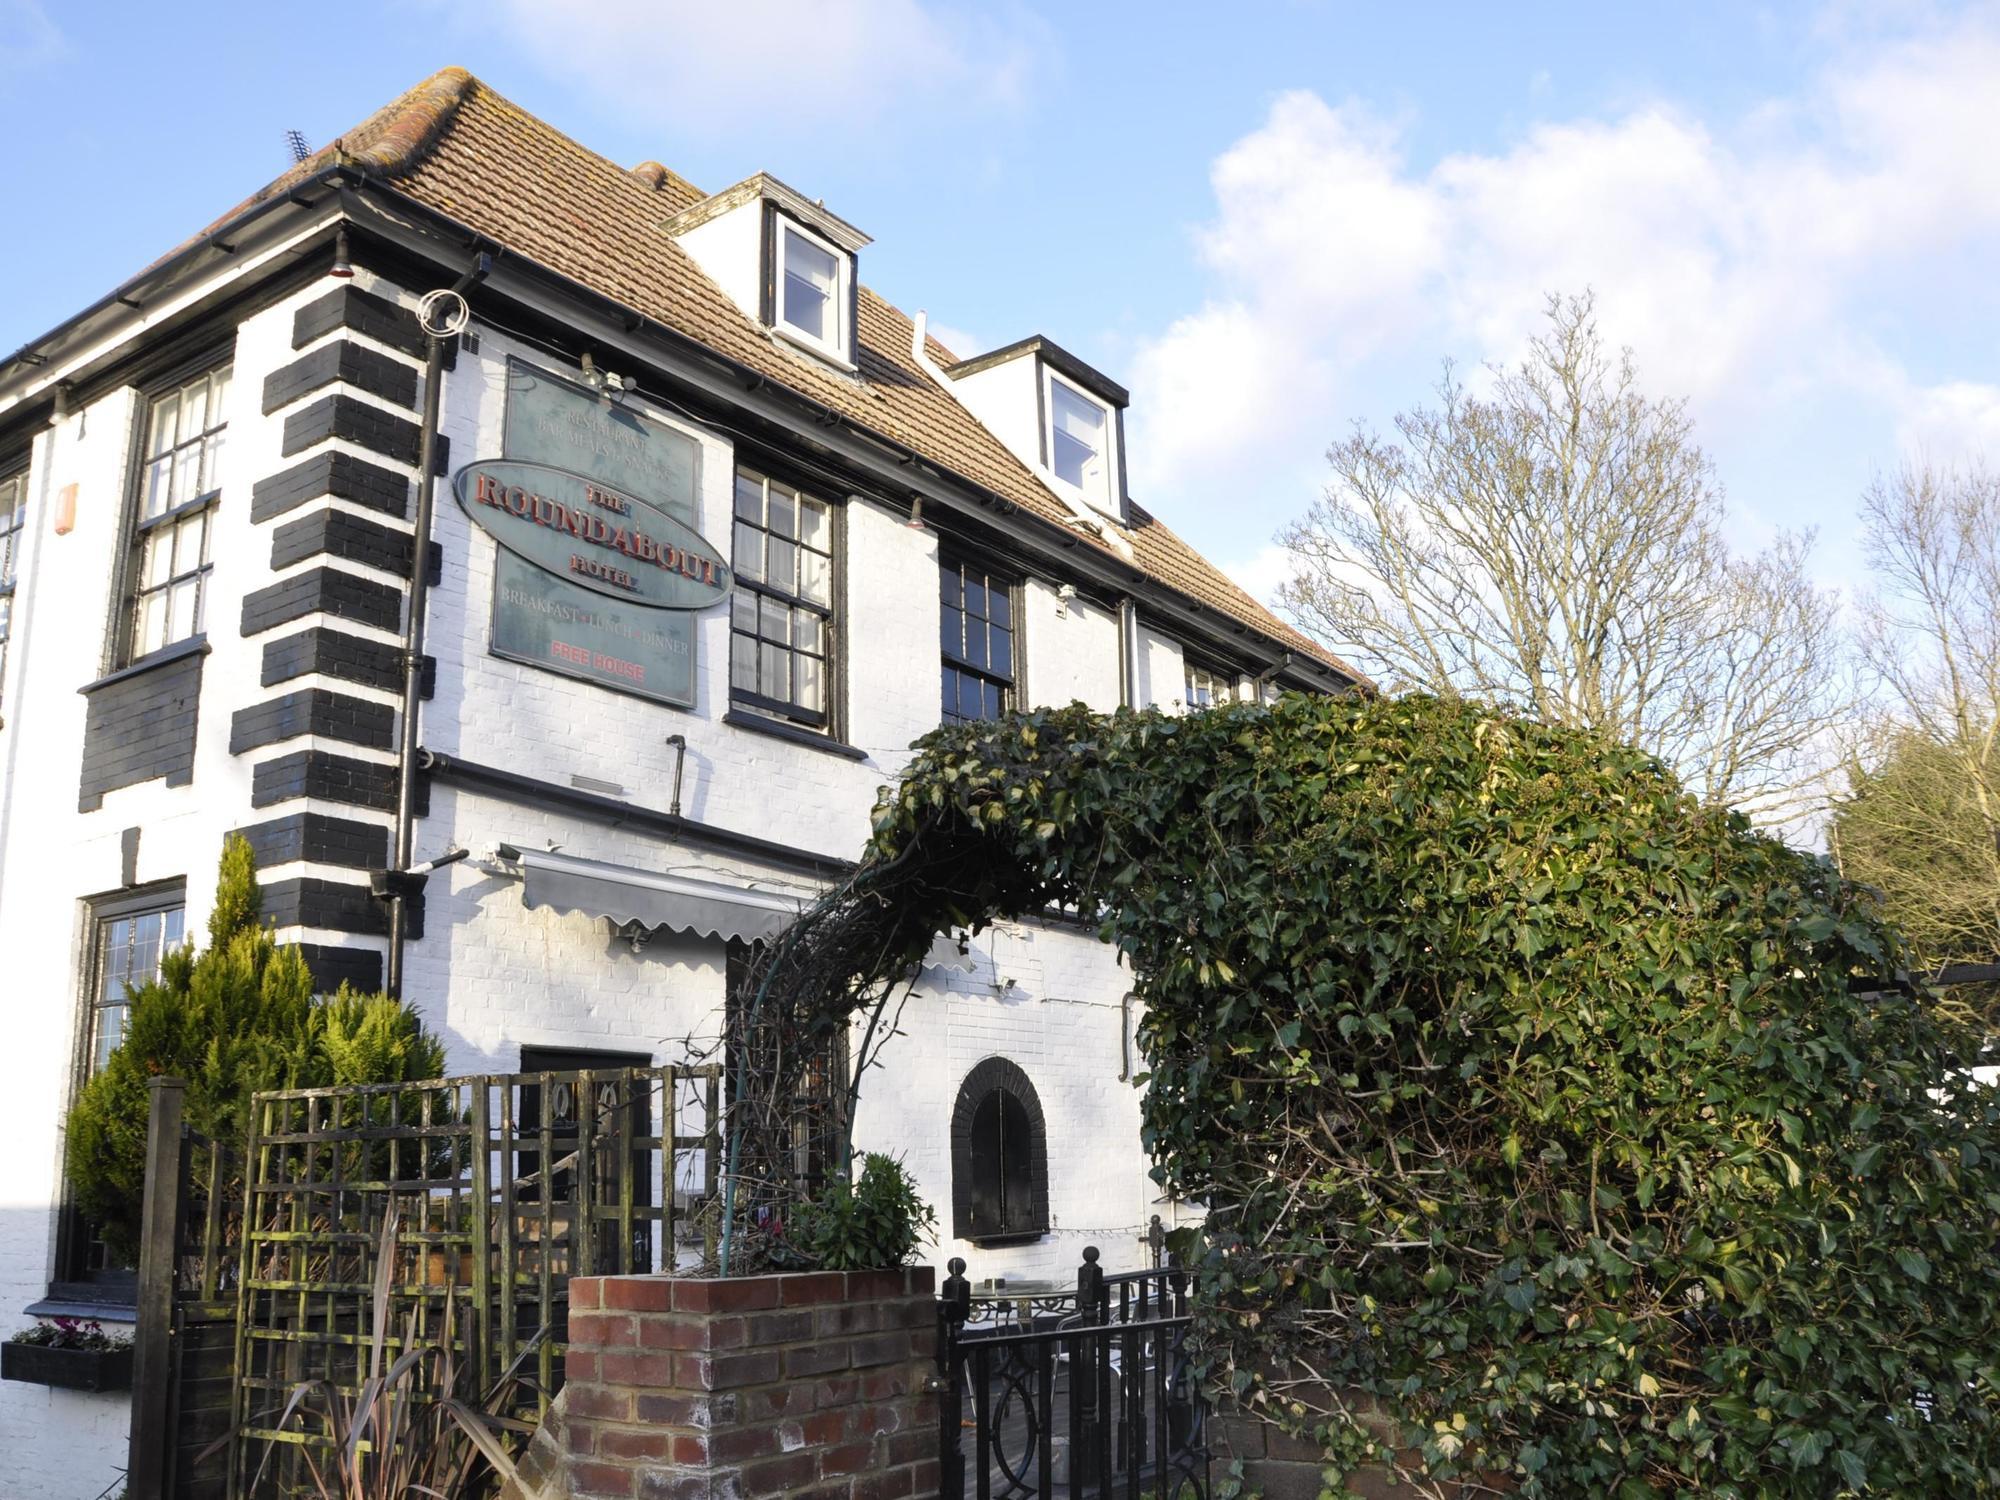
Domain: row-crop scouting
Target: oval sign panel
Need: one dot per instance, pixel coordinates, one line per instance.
(593, 535)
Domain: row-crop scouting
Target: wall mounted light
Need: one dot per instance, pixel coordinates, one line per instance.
(342, 269)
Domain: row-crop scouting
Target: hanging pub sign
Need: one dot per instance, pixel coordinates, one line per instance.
(600, 569)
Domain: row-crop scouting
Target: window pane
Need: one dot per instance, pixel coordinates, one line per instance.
(951, 632)
(774, 671)
(816, 577)
(1001, 653)
(952, 588)
(975, 596)
(165, 411)
(808, 687)
(975, 643)
(749, 497)
(181, 616)
(781, 565)
(782, 519)
(157, 564)
(218, 406)
(774, 622)
(187, 470)
(992, 701)
(999, 605)
(810, 274)
(211, 463)
(743, 610)
(742, 664)
(1078, 443)
(194, 410)
(159, 484)
(748, 552)
(815, 528)
(806, 631)
(150, 631)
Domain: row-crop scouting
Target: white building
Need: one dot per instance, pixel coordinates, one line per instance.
(208, 483)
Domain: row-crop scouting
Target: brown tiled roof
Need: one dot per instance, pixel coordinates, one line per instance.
(456, 146)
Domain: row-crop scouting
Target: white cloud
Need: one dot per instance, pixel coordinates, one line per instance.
(28, 38)
(699, 67)
(957, 340)
(1742, 260)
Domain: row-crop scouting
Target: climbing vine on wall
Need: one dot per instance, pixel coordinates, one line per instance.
(1538, 1107)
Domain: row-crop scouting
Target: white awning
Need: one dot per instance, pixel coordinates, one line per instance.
(651, 898)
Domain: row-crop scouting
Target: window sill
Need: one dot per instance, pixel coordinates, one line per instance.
(1012, 1237)
(194, 645)
(819, 352)
(77, 1307)
(738, 718)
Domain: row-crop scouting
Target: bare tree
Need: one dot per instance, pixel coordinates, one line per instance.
(1921, 818)
(1556, 544)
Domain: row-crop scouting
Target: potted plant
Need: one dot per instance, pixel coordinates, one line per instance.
(71, 1353)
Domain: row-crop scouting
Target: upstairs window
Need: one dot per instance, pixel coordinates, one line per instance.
(1079, 442)
(13, 518)
(781, 612)
(812, 290)
(976, 630)
(178, 487)
(1206, 687)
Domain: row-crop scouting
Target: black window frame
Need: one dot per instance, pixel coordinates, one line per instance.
(959, 661)
(13, 533)
(193, 509)
(998, 1081)
(81, 1271)
(827, 718)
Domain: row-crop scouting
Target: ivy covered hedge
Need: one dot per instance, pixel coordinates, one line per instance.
(1533, 1101)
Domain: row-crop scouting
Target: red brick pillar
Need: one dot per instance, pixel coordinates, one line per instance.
(810, 1386)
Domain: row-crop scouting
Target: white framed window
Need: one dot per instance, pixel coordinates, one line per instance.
(1080, 441)
(781, 612)
(179, 484)
(1206, 687)
(811, 290)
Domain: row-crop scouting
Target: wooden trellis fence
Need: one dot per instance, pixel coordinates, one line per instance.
(503, 1186)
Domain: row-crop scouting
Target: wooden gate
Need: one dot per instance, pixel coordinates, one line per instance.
(258, 1263)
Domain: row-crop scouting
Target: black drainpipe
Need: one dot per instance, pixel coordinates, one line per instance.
(401, 890)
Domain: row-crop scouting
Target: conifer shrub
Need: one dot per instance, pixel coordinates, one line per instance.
(1552, 1114)
(234, 1018)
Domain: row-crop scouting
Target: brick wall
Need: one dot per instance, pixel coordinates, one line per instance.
(810, 1386)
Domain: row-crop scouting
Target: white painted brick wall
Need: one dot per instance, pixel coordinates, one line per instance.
(491, 975)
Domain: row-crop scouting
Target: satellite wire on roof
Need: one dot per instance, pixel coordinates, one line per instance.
(300, 147)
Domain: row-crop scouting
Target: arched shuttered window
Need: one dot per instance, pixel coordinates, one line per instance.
(999, 1157)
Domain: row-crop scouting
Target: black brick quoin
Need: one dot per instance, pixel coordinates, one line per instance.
(351, 364)
(334, 653)
(327, 590)
(319, 838)
(140, 728)
(326, 777)
(341, 475)
(312, 901)
(334, 966)
(316, 711)
(371, 427)
(365, 313)
(335, 533)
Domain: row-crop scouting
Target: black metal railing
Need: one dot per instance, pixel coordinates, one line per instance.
(1070, 1393)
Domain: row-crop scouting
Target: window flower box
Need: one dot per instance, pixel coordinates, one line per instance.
(74, 1356)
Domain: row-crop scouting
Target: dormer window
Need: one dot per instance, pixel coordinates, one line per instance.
(812, 292)
(1060, 417)
(783, 259)
(1079, 449)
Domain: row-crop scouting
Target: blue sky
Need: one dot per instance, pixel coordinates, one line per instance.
(1269, 220)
